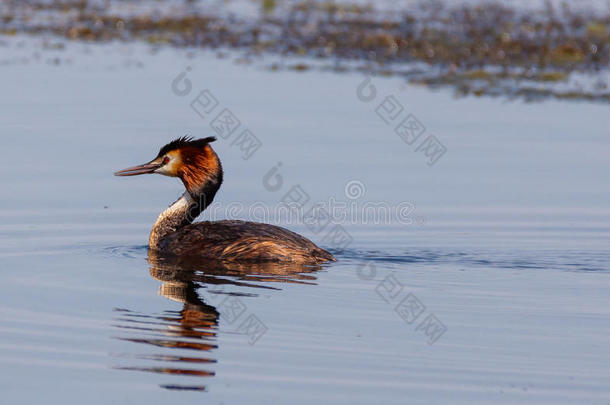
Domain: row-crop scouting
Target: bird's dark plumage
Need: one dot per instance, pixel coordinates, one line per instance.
(242, 241)
(185, 141)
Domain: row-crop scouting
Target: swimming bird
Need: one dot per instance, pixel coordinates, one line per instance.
(195, 163)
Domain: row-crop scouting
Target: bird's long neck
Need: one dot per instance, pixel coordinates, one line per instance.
(172, 219)
(201, 174)
(178, 215)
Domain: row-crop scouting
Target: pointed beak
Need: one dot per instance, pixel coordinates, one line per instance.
(149, 167)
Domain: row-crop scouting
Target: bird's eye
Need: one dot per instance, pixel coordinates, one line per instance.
(165, 160)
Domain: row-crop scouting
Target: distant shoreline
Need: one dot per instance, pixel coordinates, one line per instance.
(479, 49)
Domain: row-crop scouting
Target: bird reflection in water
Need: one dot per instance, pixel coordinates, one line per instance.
(194, 329)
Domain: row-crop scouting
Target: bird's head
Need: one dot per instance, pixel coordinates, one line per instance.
(192, 160)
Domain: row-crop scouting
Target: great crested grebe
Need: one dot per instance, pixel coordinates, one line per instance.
(197, 165)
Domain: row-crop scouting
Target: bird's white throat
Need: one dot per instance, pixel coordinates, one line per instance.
(174, 217)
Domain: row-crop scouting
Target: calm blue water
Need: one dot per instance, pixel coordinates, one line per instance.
(491, 289)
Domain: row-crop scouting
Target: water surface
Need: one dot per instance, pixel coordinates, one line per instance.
(506, 245)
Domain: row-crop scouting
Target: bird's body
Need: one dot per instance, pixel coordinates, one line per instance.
(242, 241)
(230, 240)
(199, 168)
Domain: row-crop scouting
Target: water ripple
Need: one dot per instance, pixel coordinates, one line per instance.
(575, 261)
(193, 329)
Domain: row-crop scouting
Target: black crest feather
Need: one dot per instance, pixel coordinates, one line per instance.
(185, 141)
